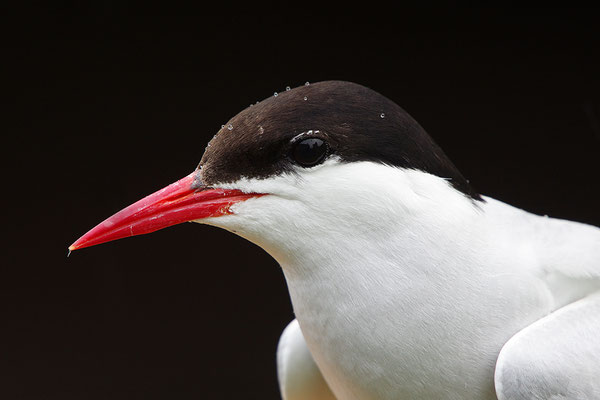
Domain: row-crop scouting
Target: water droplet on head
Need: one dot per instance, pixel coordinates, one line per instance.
(275, 94)
(306, 83)
(222, 126)
(261, 130)
(382, 115)
(305, 98)
(230, 127)
(287, 88)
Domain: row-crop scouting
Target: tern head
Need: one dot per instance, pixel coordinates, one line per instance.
(330, 158)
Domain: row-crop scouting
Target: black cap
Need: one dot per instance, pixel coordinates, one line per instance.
(357, 123)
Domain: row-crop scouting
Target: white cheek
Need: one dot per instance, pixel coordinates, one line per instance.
(252, 214)
(288, 185)
(316, 207)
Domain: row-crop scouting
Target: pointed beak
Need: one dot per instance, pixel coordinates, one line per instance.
(179, 202)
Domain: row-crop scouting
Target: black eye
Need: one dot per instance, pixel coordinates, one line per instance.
(309, 152)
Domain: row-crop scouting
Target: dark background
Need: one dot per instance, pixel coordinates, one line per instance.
(109, 102)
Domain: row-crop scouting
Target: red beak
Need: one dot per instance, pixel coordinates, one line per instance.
(179, 202)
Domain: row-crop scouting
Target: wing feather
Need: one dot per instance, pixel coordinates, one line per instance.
(299, 376)
(557, 357)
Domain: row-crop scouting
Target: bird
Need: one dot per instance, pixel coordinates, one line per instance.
(405, 281)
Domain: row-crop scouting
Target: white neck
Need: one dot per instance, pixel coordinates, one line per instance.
(383, 265)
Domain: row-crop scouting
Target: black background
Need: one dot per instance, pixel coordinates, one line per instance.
(109, 102)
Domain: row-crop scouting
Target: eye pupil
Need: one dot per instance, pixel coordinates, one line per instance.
(309, 152)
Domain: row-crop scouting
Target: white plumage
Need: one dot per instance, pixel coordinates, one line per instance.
(404, 288)
(299, 377)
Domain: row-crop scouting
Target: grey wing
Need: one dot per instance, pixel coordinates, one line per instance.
(299, 377)
(557, 357)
